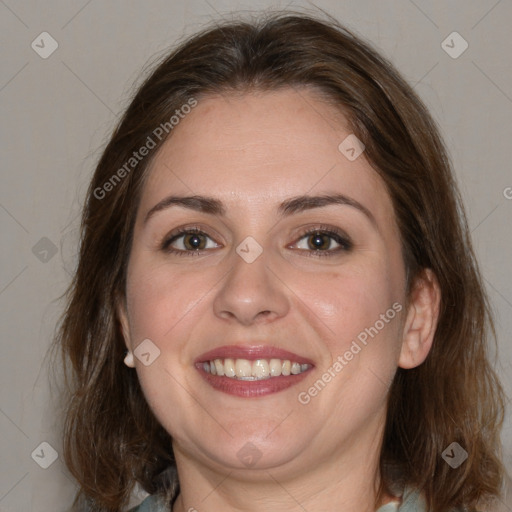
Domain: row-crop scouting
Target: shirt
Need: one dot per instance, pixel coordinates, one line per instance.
(413, 501)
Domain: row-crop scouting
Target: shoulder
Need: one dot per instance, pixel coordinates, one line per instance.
(153, 503)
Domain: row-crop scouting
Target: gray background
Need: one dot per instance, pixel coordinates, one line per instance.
(57, 113)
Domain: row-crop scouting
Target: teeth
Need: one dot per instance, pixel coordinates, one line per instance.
(258, 369)
(219, 367)
(243, 368)
(295, 368)
(275, 366)
(229, 367)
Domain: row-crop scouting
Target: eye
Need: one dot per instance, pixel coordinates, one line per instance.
(319, 241)
(187, 241)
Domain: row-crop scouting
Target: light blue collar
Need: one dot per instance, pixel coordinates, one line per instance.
(413, 501)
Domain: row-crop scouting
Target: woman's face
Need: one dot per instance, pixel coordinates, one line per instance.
(255, 293)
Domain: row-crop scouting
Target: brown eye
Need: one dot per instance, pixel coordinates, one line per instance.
(194, 241)
(187, 241)
(320, 242)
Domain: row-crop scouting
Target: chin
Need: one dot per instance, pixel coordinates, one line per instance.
(250, 450)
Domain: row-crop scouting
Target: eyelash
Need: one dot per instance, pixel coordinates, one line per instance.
(338, 236)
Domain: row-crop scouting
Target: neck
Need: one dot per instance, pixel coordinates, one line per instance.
(347, 480)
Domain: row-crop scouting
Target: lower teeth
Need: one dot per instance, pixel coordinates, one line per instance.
(252, 378)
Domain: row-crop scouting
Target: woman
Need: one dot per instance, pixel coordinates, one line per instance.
(274, 245)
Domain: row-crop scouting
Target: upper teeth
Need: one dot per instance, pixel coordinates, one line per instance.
(253, 370)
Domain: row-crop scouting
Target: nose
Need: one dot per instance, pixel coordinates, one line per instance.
(251, 293)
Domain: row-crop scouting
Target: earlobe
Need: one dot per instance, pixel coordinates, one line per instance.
(421, 321)
(129, 360)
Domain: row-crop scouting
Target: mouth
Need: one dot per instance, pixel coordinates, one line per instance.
(251, 371)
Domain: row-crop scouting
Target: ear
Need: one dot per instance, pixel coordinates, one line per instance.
(122, 315)
(421, 321)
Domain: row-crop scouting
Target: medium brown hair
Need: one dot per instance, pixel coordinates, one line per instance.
(454, 396)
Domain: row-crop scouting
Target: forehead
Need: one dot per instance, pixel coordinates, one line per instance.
(257, 149)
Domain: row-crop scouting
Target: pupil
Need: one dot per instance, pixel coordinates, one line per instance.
(317, 241)
(194, 241)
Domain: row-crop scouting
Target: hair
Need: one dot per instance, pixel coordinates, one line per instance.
(454, 396)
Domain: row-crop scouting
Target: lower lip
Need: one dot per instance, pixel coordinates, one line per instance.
(251, 388)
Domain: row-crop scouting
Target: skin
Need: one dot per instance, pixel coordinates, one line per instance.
(253, 151)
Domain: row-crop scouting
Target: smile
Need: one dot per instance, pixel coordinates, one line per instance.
(249, 371)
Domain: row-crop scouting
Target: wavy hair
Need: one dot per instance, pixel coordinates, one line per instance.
(454, 396)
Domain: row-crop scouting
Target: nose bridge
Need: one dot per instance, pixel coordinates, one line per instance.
(251, 290)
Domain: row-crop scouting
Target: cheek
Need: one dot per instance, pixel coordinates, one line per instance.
(159, 298)
(361, 306)
(162, 306)
(353, 298)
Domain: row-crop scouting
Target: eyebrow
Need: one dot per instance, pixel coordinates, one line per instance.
(288, 207)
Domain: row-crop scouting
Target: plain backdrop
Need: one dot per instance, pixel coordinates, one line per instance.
(58, 111)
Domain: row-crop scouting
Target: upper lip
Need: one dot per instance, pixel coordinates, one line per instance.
(252, 352)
